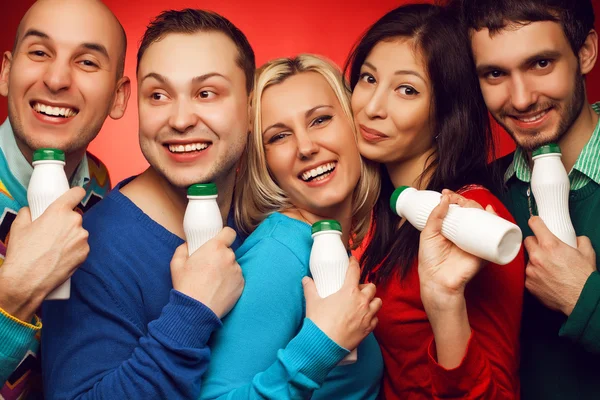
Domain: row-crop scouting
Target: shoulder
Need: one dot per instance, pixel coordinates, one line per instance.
(484, 197)
(277, 240)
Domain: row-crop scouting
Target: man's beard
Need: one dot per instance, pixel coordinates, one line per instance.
(569, 113)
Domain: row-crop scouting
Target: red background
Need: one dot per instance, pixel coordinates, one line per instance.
(274, 28)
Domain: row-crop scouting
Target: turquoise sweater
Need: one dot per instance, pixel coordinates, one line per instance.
(19, 341)
(560, 356)
(267, 348)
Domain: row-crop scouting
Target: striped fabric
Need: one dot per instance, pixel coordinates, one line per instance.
(586, 168)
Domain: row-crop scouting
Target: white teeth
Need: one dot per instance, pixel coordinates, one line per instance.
(174, 148)
(317, 173)
(54, 111)
(534, 118)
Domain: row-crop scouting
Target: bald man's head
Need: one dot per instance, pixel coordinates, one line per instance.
(64, 76)
(97, 7)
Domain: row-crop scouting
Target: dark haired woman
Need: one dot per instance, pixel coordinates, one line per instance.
(449, 324)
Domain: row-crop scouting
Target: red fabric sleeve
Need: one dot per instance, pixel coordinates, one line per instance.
(489, 369)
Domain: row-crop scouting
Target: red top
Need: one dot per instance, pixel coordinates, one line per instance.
(489, 369)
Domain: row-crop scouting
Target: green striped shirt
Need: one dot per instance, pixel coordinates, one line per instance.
(586, 168)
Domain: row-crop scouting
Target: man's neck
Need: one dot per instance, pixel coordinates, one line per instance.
(166, 204)
(72, 160)
(572, 143)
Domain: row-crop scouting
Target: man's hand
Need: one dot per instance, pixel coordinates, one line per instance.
(348, 315)
(42, 254)
(556, 272)
(211, 274)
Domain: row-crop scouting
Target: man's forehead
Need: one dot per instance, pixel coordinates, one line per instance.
(191, 55)
(72, 24)
(517, 42)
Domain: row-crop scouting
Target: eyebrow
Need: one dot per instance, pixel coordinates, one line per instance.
(96, 47)
(307, 114)
(483, 68)
(89, 46)
(35, 33)
(197, 79)
(398, 72)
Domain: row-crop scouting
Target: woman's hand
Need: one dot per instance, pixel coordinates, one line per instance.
(348, 315)
(444, 269)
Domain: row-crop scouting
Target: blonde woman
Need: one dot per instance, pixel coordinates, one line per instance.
(302, 166)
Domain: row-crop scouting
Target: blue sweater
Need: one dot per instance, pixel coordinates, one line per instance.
(267, 348)
(125, 333)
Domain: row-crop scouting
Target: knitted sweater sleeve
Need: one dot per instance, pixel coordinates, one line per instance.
(16, 337)
(266, 348)
(583, 325)
(95, 348)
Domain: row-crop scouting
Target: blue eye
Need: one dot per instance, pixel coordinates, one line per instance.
(321, 120)
(277, 137)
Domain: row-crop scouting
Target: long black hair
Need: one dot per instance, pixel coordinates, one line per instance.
(464, 140)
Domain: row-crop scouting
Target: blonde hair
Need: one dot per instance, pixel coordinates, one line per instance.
(257, 194)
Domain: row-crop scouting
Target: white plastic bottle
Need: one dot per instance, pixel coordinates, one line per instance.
(329, 263)
(48, 182)
(202, 220)
(473, 230)
(550, 186)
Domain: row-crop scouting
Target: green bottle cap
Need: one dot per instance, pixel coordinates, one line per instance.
(48, 155)
(202, 189)
(326, 225)
(550, 148)
(395, 195)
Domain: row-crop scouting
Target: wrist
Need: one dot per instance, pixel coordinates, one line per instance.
(15, 297)
(572, 296)
(438, 299)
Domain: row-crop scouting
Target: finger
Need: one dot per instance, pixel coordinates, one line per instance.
(490, 208)
(180, 255)
(531, 244)
(374, 323)
(541, 231)
(584, 245)
(448, 191)
(352, 274)
(310, 290)
(226, 236)
(436, 218)
(70, 199)
(375, 306)
(369, 290)
(530, 271)
(23, 217)
(456, 198)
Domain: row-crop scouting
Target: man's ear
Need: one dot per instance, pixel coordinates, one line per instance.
(588, 54)
(4, 72)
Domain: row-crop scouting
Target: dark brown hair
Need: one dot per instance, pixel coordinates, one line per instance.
(575, 16)
(192, 21)
(460, 120)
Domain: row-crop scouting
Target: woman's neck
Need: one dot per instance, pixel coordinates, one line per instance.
(410, 172)
(341, 213)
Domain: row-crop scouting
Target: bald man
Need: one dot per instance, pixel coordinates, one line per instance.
(63, 78)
